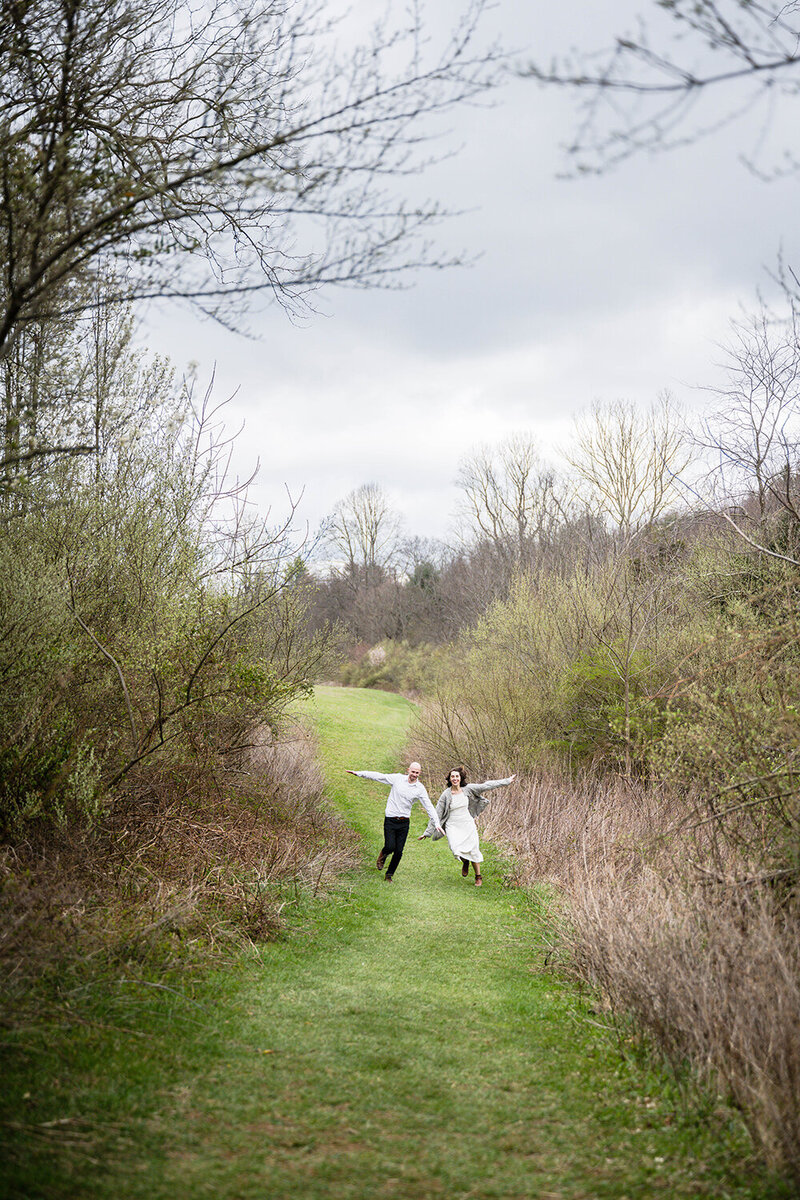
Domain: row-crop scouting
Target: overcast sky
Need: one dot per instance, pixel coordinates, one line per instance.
(619, 286)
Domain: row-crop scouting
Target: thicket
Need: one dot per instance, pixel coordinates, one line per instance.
(154, 635)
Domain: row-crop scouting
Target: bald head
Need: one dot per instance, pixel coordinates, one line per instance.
(413, 772)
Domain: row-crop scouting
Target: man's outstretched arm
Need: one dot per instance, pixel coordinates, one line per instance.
(376, 775)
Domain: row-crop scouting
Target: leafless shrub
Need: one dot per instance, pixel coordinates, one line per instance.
(672, 926)
(562, 830)
(714, 976)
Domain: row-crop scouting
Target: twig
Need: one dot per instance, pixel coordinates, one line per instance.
(111, 659)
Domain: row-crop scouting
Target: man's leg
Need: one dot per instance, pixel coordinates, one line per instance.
(388, 842)
(399, 832)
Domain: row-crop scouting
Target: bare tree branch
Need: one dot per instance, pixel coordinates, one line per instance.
(645, 92)
(215, 152)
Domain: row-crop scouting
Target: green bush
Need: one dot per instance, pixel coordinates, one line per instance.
(395, 667)
(139, 619)
(732, 726)
(607, 708)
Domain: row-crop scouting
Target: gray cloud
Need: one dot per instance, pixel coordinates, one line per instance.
(603, 287)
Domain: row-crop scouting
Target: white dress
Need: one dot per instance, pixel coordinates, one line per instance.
(461, 830)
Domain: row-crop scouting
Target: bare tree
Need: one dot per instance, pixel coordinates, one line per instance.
(754, 437)
(215, 150)
(363, 535)
(509, 499)
(365, 530)
(626, 460)
(646, 91)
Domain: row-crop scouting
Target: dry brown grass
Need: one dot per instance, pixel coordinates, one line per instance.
(192, 859)
(561, 831)
(713, 975)
(674, 928)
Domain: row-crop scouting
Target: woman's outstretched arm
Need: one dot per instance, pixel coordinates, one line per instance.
(491, 783)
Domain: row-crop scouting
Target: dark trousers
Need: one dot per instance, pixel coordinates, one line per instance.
(395, 832)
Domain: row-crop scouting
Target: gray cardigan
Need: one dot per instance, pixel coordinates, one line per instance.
(476, 803)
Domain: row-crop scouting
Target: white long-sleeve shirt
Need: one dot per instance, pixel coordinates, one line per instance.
(403, 795)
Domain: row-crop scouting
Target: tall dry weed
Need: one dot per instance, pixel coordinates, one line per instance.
(192, 860)
(713, 974)
(561, 830)
(666, 919)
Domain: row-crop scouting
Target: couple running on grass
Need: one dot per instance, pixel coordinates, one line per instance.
(453, 818)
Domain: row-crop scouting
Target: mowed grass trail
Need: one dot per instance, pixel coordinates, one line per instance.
(403, 1041)
(417, 1050)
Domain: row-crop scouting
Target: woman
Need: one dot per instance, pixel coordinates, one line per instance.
(457, 807)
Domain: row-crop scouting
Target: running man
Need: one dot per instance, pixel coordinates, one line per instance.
(406, 790)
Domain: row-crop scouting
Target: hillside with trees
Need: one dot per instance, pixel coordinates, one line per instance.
(625, 634)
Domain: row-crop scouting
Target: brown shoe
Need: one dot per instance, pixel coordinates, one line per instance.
(388, 877)
(478, 881)
(381, 861)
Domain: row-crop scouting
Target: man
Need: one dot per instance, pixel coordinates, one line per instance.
(406, 790)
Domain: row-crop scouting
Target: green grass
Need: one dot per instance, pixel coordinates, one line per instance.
(400, 1041)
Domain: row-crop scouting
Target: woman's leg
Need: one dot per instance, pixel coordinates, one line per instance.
(465, 867)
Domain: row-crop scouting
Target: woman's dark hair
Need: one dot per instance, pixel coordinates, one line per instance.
(461, 772)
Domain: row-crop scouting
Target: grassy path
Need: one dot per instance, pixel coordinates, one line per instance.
(404, 1044)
